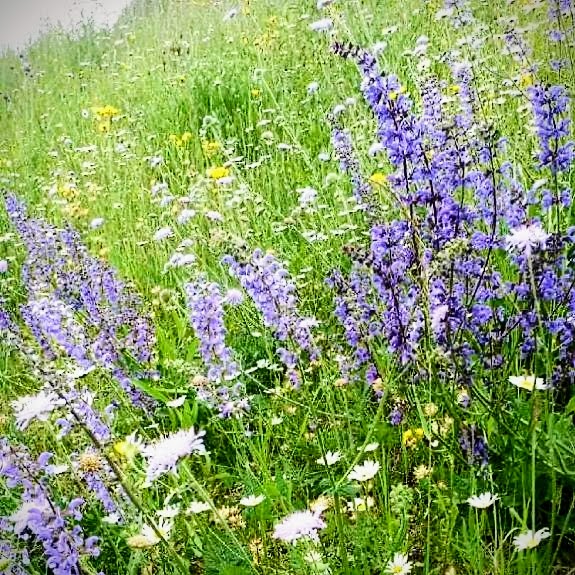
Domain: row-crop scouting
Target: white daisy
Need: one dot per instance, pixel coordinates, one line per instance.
(148, 536)
(364, 472)
(525, 238)
(528, 382)
(168, 512)
(197, 507)
(399, 565)
(530, 539)
(163, 454)
(298, 525)
(39, 406)
(330, 458)
(369, 447)
(178, 402)
(252, 500)
(482, 501)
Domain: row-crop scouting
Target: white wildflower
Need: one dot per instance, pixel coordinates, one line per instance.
(528, 382)
(252, 500)
(163, 233)
(530, 539)
(39, 406)
(399, 565)
(525, 238)
(323, 25)
(364, 472)
(196, 507)
(163, 454)
(482, 501)
(330, 458)
(299, 525)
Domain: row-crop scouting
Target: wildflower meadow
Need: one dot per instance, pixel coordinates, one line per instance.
(288, 287)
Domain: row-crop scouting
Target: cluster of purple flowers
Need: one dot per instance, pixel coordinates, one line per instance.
(273, 292)
(78, 308)
(206, 305)
(39, 517)
(466, 266)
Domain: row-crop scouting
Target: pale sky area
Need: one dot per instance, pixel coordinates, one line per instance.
(21, 20)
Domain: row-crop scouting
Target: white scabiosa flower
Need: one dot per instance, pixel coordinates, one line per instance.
(307, 196)
(482, 501)
(323, 25)
(252, 500)
(163, 234)
(231, 14)
(330, 458)
(298, 525)
(399, 565)
(30, 407)
(163, 454)
(525, 238)
(530, 539)
(96, 223)
(178, 260)
(321, 4)
(364, 472)
(185, 216)
(312, 88)
(376, 148)
(234, 296)
(528, 382)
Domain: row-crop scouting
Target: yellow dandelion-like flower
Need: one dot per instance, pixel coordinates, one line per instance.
(256, 93)
(217, 173)
(211, 148)
(525, 80)
(378, 179)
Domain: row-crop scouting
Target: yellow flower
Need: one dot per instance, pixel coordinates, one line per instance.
(256, 93)
(211, 148)
(186, 137)
(526, 80)
(412, 437)
(105, 112)
(378, 179)
(453, 89)
(103, 127)
(217, 173)
(393, 95)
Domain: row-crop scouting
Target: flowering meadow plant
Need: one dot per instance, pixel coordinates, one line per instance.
(290, 288)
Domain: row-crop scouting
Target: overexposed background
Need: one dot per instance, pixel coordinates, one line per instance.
(23, 20)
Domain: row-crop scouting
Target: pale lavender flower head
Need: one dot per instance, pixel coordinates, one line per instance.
(163, 454)
(323, 25)
(298, 525)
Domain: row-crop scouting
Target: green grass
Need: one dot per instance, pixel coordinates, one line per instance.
(166, 67)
